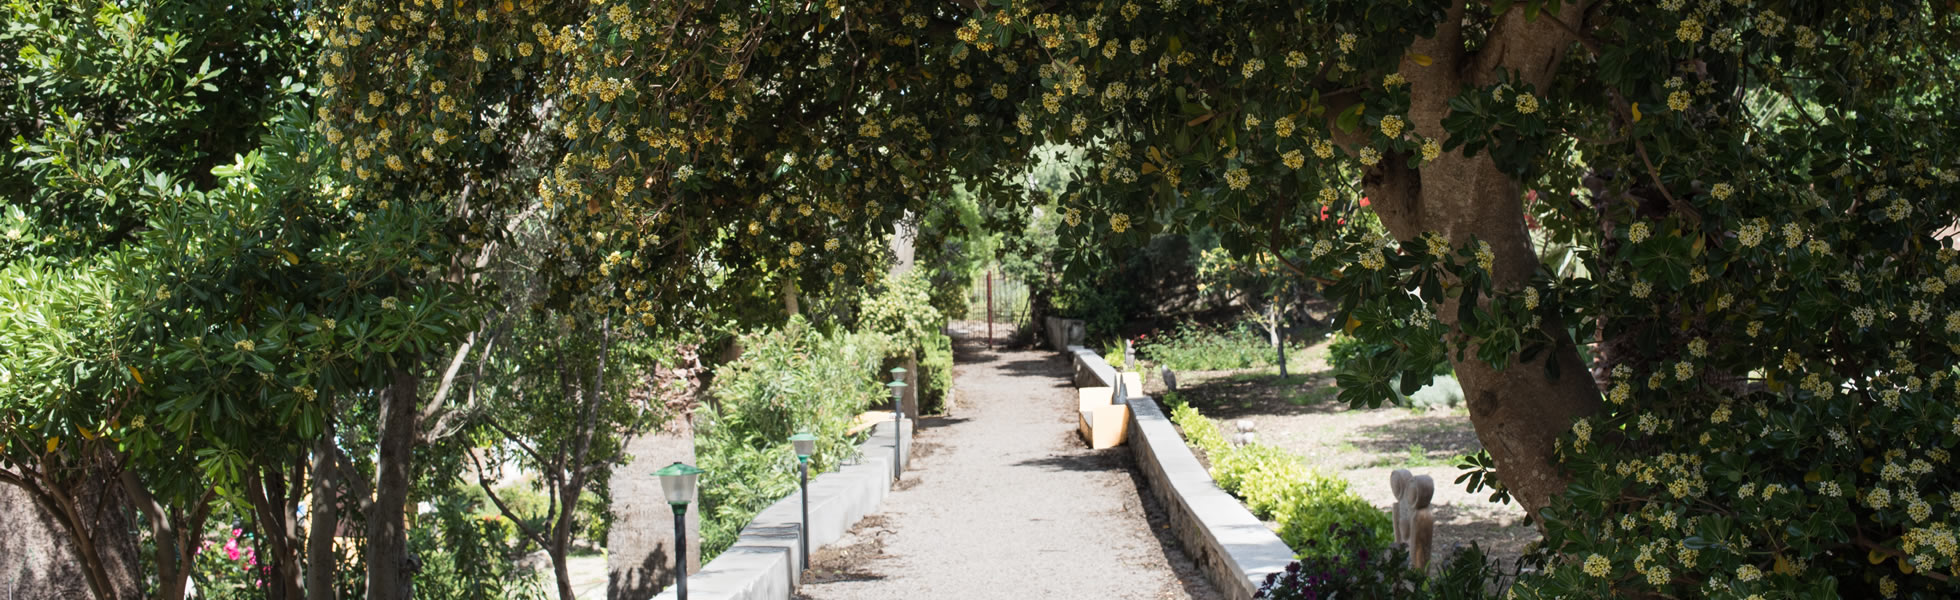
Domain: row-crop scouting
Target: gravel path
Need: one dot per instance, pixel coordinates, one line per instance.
(1003, 500)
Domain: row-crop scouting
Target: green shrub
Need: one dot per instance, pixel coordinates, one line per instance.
(1193, 347)
(1314, 506)
(594, 517)
(1276, 485)
(904, 310)
(469, 556)
(787, 380)
(1347, 350)
(936, 374)
(1198, 430)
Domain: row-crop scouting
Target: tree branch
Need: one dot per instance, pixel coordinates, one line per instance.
(512, 436)
(484, 482)
(1868, 544)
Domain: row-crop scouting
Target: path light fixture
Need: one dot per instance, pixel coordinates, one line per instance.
(679, 481)
(806, 445)
(898, 419)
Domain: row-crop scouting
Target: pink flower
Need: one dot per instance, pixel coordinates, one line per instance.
(231, 549)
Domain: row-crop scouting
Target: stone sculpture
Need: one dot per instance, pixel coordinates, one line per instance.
(1415, 521)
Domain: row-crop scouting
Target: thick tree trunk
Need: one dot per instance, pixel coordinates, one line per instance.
(323, 519)
(640, 555)
(1520, 411)
(43, 558)
(387, 540)
(86, 513)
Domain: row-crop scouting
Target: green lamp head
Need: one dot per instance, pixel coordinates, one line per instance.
(679, 481)
(806, 445)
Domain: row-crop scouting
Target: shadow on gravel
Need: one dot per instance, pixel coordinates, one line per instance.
(1043, 367)
(1441, 434)
(1102, 460)
(929, 423)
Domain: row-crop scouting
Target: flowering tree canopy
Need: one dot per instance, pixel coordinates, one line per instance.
(1742, 201)
(1745, 206)
(1692, 257)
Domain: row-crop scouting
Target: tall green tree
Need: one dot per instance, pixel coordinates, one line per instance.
(113, 112)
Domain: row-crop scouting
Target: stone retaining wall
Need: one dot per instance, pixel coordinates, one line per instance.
(766, 561)
(1235, 549)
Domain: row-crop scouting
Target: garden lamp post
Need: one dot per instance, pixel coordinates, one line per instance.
(898, 419)
(679, 481)
(806, 445)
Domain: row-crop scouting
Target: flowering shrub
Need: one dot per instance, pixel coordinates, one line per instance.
(1274, 484)
(230, 569)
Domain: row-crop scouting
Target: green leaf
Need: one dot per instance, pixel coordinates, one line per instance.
(1350, 118)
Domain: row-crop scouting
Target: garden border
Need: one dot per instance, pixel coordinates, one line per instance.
(765, 562)
(1234, 549)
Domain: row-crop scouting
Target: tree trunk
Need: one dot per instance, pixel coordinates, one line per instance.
(789, 297)
(563, 573)
(44, 558)
(272, 510)
(1520, 411)
(81, 507)
(640, 555)
(574, 475)
(323, 519)
(387, 540)
(1279, 339)
(177, 534)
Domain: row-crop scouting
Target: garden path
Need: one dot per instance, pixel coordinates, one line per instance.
(1003, 500)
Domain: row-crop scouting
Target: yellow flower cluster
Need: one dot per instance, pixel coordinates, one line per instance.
(1391, 126)
(1526, 103)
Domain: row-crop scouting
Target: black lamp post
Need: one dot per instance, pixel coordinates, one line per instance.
(679, 481)
(806, 445)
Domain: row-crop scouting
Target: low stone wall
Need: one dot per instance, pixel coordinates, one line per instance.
(766, 561)
(1090, 369)
(1235, 549)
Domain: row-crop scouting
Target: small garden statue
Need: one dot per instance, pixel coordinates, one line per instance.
(1169, 376)
(1245, 434)
(1415, 522)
